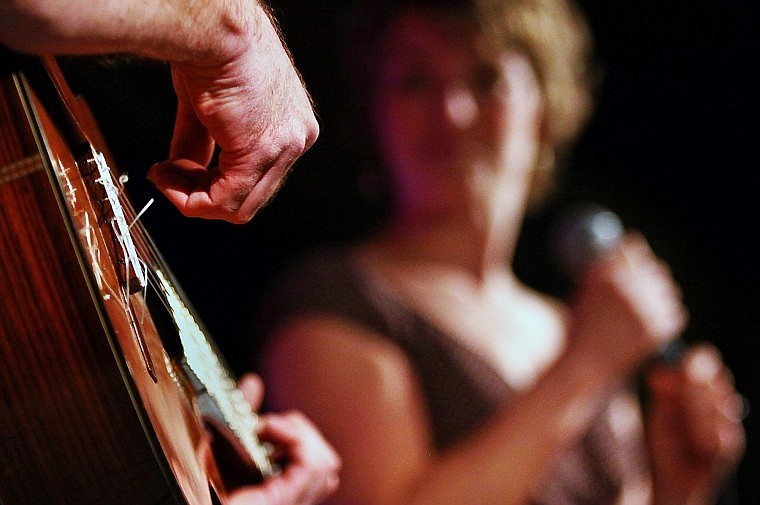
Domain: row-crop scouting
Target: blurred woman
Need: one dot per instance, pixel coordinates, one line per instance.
(438, 375)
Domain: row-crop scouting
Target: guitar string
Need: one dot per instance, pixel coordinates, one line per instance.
(235, 410)
(144, 252)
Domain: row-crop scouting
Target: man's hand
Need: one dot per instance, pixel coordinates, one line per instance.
(236, 85)
(254, 107)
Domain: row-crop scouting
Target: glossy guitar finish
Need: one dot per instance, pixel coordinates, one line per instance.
(93, 410)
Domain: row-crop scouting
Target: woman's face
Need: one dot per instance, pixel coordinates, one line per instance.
(452, 113)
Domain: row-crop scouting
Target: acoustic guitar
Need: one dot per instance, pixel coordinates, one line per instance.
(109, 382)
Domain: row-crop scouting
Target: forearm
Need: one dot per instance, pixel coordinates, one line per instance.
(509, 457)
(176, 30)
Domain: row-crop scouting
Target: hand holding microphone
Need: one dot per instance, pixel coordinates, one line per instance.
(626, 303)
(627, 309)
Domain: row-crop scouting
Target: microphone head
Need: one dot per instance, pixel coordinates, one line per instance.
(584, 233)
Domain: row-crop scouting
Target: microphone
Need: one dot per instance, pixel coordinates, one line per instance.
(583, 234)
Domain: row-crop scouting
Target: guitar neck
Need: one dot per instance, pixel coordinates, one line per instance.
(219, 397)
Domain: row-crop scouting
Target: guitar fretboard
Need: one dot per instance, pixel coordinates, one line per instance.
(205, 364)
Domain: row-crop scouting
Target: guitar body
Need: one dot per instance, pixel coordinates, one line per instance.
(93, 410)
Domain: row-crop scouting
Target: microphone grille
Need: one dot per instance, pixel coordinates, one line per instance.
(583, 233)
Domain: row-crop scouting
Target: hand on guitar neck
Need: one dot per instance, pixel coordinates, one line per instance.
(305, 466)
(309, 465)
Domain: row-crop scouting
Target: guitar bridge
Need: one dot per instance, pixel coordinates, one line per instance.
(105, 192)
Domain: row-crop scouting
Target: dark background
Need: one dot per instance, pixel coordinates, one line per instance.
(672, 149)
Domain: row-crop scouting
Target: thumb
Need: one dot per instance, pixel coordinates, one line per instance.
(252, 388)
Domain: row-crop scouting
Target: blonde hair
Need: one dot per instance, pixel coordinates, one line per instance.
(555, 36)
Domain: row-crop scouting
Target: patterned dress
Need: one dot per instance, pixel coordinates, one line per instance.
(462, 391)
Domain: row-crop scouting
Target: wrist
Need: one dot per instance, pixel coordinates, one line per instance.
(202, 33)
(216, 33)
(584, 383)
(598, 364)
(663, 495)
